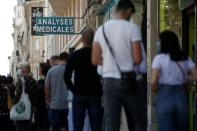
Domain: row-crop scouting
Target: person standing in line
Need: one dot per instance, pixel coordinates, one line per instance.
(170, 69)
(30, 89)
(117, 48)
(10, 92)
(11, 86)
(86, 88)
(41, 117)
(5, 87)
(54, 60)
(56, 95)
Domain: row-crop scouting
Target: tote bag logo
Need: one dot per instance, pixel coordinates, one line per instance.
(20, 107)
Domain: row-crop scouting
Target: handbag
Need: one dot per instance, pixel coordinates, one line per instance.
(128, 79)
(22, 109)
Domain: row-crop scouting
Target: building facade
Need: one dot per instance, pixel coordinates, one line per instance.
(19, 39)
(27, 47)
(83, 12)
(35, 43)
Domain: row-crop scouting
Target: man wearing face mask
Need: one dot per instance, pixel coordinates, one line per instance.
(117, 48)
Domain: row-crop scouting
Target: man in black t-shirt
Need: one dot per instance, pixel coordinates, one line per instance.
(86, 87)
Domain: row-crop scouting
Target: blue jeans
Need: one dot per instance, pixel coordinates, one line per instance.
(172, 108)
(91, 104)
(58, 119)
(70, 121)
(117, 96)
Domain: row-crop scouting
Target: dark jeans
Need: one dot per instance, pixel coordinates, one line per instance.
(24, 125)
(42, 122)
(92, 105)
(116, 96)
(58, 119)
(6, 124)
(172, 108)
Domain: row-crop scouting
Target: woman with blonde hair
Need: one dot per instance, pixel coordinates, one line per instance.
(30, 89)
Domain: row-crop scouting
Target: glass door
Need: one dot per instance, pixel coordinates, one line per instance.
(192, 53)
(190, 46)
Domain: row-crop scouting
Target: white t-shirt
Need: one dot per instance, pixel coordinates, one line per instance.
(170, 73)
(121, 34)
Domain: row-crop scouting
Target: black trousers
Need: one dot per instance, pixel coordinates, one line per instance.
(6, 124)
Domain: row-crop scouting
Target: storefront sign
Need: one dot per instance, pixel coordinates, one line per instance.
(35, 12)
(54, 25)
(185, 3)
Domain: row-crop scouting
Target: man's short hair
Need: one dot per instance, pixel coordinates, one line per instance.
(64, 56)
(125, 5)
(54, 57)
(25, 65)
(10, 79)
(44, 68)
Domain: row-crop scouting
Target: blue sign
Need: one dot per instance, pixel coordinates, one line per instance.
(54, 25)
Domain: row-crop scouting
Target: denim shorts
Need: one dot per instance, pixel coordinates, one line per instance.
(58, 118)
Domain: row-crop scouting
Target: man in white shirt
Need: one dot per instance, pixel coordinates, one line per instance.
(124, 39)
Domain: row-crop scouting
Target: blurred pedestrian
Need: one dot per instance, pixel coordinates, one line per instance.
(30, 89)
(170, 70)
(10, 96)
(6, 124)
(86, 87)
(56, 94)
(54, 60)
(41, 116)
(117, 48)
(11, 86)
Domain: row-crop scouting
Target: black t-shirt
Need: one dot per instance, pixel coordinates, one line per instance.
(86, 80)
(3, 101)
(40, 102)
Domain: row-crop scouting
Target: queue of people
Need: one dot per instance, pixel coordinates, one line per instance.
(107, 74)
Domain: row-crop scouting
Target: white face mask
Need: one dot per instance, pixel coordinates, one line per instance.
(19, 73)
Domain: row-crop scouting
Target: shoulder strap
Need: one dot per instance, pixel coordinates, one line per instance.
(23, 84)
(184, 75)
(110, 49)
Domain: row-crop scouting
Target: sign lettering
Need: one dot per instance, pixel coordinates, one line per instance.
(54, 25)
